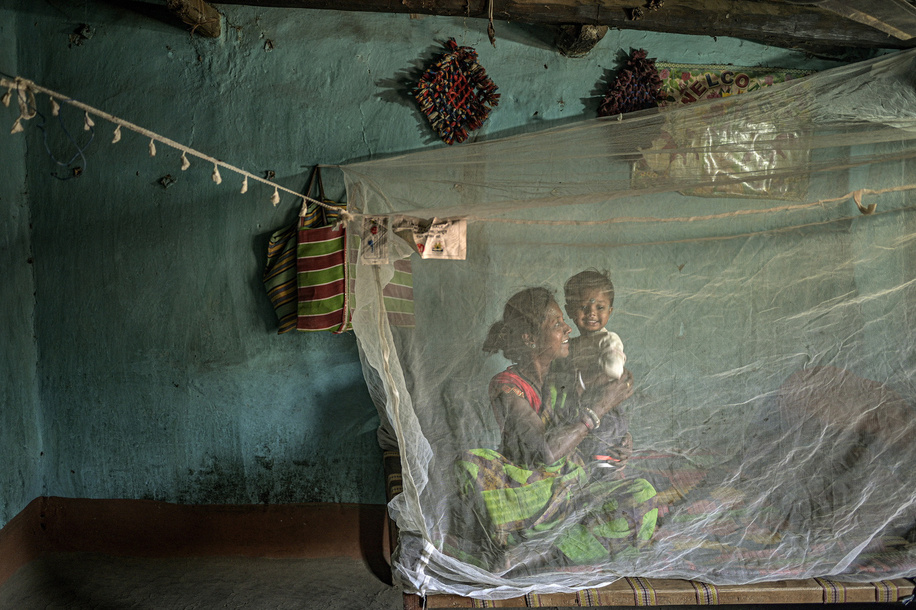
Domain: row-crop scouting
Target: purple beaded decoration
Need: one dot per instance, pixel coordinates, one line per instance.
(636, 87)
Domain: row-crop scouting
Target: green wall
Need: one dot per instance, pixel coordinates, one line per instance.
(20, 440)
(148, 365)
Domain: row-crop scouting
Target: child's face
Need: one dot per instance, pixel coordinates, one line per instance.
(592, 311)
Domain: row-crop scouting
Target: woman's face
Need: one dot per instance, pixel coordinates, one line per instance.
(553, 339)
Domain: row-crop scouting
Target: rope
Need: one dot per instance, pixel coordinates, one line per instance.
(27, 110)
(722, 237)
(856, 196)
(26, 97)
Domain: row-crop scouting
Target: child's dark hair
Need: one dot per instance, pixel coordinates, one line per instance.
(523, 314)
(585, 281)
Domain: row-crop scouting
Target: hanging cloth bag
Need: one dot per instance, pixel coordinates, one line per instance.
(280, 275)
(321, 265)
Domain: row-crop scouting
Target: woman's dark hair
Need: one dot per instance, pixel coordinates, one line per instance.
(523, 314)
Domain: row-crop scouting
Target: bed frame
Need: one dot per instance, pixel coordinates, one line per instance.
(663, 592)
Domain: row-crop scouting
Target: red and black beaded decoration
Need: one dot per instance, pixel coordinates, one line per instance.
(456, 94)
(636, 87)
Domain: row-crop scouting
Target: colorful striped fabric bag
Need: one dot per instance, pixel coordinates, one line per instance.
(280, 276)
(321, 266)
(308, 269)
(321, 270)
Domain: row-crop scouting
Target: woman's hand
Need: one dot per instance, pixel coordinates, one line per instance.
(607, 396)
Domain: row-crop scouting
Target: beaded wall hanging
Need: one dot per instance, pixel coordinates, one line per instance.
(456, 94)
(636, 87)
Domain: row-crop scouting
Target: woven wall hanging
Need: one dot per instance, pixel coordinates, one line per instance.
(456, 94)
(637, 86)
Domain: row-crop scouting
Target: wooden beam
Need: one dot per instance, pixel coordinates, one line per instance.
(786, 24)
(894, 17)
(807, 28)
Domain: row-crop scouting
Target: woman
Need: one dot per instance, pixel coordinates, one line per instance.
(535, 489)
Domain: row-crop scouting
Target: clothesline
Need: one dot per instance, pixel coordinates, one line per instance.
(26, 90)
(855, 196)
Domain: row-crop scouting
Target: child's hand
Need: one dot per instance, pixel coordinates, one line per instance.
(612, 393)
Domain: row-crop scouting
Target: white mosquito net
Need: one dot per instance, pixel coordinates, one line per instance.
(762, 249)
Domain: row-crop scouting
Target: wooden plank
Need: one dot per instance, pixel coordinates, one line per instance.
(894, 17)
(805, 27)
(22, 539)
(777, 23)
(674, 592)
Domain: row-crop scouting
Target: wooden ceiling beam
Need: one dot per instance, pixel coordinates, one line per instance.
(895, 17)
(788, 24)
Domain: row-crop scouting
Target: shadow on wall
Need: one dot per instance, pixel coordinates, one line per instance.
(399, 90)
(593, 102)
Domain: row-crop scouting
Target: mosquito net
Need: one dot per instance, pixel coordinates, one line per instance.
(738, 408)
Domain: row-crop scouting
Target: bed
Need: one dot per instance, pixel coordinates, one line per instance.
(768, 331)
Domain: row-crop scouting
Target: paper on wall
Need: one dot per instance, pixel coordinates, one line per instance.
(442, 238)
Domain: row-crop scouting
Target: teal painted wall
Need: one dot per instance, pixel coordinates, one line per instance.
(20, 441)
(159, 372)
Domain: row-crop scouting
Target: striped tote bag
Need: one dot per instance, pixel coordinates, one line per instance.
(305, 275)
(321, 274)
(280, 276)
(321, 265)
(304, 292)
(309, 269)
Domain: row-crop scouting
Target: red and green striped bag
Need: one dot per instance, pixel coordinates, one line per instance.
(280, 276)
(308, 270)
(321, 266)
(321, 270)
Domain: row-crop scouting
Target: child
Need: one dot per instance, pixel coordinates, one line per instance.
(597, 357)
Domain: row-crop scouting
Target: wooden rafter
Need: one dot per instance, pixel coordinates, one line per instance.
(894, 17)
(781, 23)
